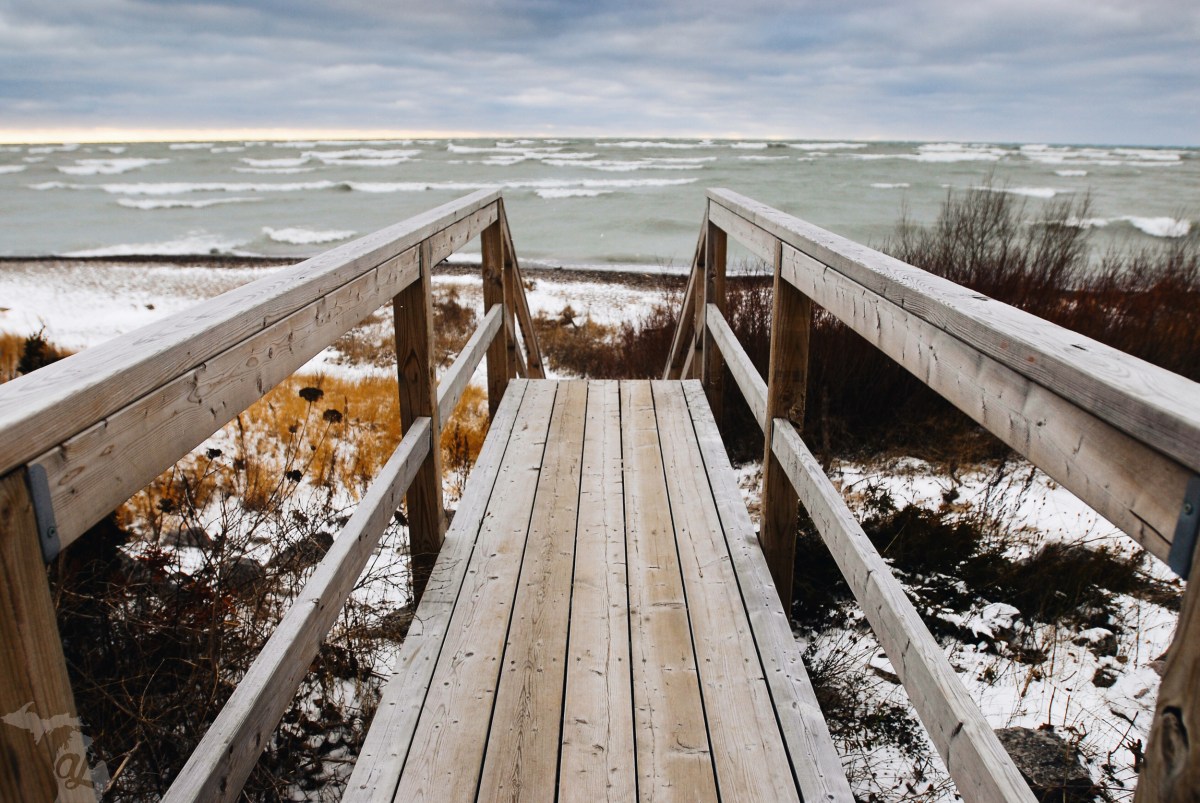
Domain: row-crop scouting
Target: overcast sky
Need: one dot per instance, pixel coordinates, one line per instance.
(1077, 71)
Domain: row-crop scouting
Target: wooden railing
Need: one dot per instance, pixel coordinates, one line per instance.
(81, 436)
(1121, 434)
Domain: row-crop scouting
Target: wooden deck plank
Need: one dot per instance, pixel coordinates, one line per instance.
(448, 747)
(814, 760)
(596, 761)
(748, 753)
(522, 752)
(673, 757)
(377, 770)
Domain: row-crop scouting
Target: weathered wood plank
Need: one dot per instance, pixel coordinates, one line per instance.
(973, 755)
(446, 755)
(749, 381)
(1153, 405)
(810, 748)
(1131, 485)
(674, 761)
(458, 375)
(760, 242)
(597, 762)
(493, 295)
(683, 340)
(747, 748)
(1171, 773)
(454, 236)
(95, 471)
(787, 390)
(713, 369)
(377, 770)
(521, 761)
(412, 319)
(225, 756)
(49, 406)
(536, 368)
(42, 754)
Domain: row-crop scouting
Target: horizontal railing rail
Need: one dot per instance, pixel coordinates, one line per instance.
(82, 435)
(1123, 435)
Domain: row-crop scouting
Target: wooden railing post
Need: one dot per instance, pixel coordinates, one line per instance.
(1172, 770)
(787, 380)
(713, 365)
(41, 744)
(496, 291)
(412, 315)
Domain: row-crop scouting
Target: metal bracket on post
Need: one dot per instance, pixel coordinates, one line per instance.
(43, 511)
(1186, 530)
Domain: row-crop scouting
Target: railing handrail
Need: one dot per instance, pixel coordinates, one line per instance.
(42, 409)
(79, 439)
(1120, 433)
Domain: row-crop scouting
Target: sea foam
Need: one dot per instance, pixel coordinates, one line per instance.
(107, 167)
(298, 236)
(154, 203)
(11, 169)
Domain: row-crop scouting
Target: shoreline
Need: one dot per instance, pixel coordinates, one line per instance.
(648, 276)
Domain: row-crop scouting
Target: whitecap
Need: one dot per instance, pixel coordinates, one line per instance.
(107, 167)
(361, 153)
(617, 166)
(958, 152)
(191, 146)
(1070, 173)
(1030, 192)
(897, 186)
(750, 146)
(657, 144)
(466, 149)
(11, 169)
(571, 193)
(1167, 227)
(288, 162)
(192, 244)
(827, 146)
(151, 203)
(299, 236)
(117, 149)
(181, 188)
(758, 158)
(54, 148)
(229, 149)
(275, 171)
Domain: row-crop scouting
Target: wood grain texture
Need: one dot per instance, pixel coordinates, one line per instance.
(597, 762)
(458, 375)
(787, 390)
(760, 242)
(1171, 773)
(1131, 485)
(377, 769)
(446, 755)
(93, 472)
(45, 408)
(42, 755)
(747, 748)
(230, 748)
(674, 760)
(811, 753)
(521, 761)
(683, 340)
(713, 369)
(976, 761)
(1151, 404)
(749, 381)
(412, 319)
(493, 295)
(535, 368)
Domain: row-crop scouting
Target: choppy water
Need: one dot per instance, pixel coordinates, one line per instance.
(573, 202)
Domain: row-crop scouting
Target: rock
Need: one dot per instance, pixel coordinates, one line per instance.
(186, 536)
(1049, 764)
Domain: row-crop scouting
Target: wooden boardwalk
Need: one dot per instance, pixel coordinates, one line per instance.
(601, 623)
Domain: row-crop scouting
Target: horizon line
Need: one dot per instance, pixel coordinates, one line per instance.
(91, 135)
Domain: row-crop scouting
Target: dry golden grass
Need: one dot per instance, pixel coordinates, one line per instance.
(21, 354)
(11, 347)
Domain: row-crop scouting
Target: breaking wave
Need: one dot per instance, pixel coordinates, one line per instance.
(298, 236)
(107, 167)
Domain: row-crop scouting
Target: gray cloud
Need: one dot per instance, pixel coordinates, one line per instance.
(1025, 70)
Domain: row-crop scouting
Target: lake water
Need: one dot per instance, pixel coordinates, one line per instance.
(570, 202)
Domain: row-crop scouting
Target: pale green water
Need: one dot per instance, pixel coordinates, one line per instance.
(574, 202)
